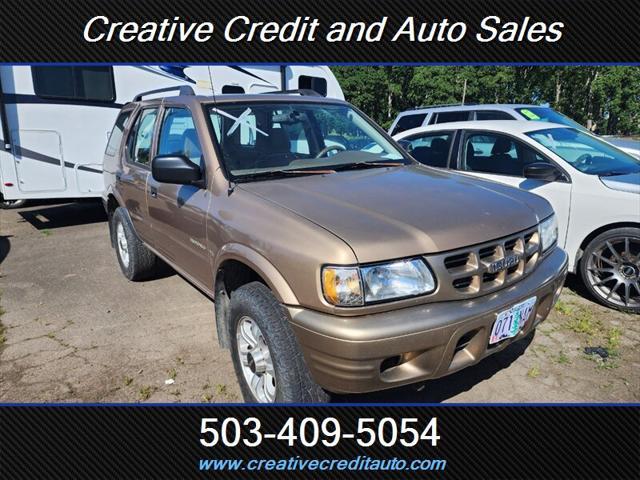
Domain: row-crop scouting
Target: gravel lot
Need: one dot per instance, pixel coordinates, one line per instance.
(73, 329)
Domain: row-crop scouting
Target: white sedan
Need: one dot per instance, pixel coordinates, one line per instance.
(593, 186)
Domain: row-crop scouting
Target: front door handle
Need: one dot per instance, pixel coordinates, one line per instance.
(153, 191)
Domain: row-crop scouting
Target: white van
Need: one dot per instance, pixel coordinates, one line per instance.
(55, 120)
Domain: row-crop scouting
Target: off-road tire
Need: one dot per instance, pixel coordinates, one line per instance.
(142, 263)
(293, 380)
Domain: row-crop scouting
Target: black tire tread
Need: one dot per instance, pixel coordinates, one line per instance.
(294, 379)
(142, 261)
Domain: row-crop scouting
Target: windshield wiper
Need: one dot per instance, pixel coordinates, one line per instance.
(356, 165)
(279, 174)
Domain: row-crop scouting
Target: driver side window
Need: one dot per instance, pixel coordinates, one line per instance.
(497, 154)
(178, 135)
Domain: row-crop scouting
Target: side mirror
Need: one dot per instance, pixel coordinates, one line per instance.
(542, 171)
(175, 169)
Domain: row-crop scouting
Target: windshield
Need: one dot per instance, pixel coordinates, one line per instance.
(586, 152)
(546, 114)
(260, 139)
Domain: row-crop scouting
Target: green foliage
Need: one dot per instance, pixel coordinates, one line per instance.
(607, 99)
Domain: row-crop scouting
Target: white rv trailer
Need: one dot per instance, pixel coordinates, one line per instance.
(55, 120)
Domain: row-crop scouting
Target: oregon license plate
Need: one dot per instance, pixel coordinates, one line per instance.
(510, 322)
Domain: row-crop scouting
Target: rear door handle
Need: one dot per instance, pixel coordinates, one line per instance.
(153, 191)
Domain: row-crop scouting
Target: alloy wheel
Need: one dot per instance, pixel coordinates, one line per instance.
(613, 270)
(255, 359)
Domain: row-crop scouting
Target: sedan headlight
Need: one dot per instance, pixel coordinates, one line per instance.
(548, 232)
(353, 286)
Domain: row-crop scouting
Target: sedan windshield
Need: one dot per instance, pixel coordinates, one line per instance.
(546, 114)
(264, 140)
(586, 152)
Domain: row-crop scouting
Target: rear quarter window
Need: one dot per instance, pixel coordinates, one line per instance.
(115, 138)
(407, 122)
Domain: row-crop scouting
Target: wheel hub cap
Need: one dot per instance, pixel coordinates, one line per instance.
(629, 271)
(255, 359)
(613, 270)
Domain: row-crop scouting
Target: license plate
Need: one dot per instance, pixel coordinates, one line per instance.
(510, 322)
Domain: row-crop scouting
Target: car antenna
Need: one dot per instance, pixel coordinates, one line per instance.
(232, 185)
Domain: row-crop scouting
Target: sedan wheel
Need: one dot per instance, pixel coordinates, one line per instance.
(613, 270)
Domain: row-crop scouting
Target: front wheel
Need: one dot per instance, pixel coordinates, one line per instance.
(267, 360)
(610, 269)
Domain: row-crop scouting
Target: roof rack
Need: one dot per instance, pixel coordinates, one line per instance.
(305, 92)
(445, 105)
(181, 89)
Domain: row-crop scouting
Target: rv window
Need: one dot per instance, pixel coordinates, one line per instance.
(178, 135)
(317, 84)
(116, 134)
(139, 142)
(232, 89)
(74, 83)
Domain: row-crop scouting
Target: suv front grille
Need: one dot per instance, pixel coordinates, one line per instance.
(482, 269)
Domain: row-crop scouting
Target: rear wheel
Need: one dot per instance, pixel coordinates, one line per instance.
(9, 204)
(136, 261)
(610, 269)
(268, 362)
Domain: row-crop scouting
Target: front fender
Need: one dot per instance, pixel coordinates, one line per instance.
(267, 271)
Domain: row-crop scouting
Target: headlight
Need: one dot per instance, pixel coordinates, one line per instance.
(548, 232)
(352, 286)
(342, 286)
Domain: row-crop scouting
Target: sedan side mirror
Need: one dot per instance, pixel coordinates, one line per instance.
(175, 169)
(543, 171)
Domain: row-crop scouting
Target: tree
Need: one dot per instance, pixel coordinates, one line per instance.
(606, 99)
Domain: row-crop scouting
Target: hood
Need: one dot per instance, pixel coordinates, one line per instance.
(624, 183)
(404, 211)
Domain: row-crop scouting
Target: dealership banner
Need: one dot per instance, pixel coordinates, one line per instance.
(398, 31)
(362, 441)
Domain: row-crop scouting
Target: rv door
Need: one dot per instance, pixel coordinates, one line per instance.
(38, 159)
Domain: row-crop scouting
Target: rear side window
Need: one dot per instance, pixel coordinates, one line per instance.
(74, 83)
(446, 117)
(493, 115)
(116, 134)
(141, 136)
(317, 84)
(178, 135)
(407, 122)
(431, 149)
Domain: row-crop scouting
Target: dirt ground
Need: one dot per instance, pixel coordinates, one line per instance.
(73, 329)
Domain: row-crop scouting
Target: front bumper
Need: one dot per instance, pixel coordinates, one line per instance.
(386, 350)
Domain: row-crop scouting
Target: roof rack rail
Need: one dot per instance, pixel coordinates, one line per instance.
(181, 89)
(305, 92)
(445, 105)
